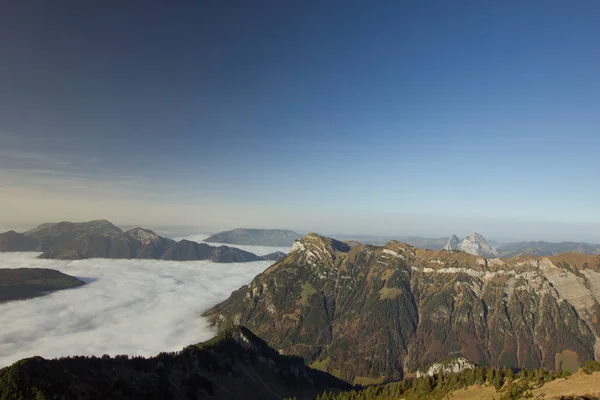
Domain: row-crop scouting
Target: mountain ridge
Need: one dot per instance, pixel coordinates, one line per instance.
(379, 312)
(233, 362)
(102, 239)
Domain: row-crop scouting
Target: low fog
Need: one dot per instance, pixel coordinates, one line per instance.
(258, 250)
(135, 307)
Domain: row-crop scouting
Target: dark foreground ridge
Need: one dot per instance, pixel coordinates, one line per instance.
(25, 283)
(102, 239)
(235, 364)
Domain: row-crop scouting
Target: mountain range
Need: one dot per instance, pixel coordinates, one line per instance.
(256, 237)
(504, 249)
(370, 314)
(547, 248)
(102, 239)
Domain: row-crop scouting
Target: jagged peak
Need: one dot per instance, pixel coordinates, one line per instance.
(476, 235)
(401, 247)
(314, 248)
(142, 234)
(314, 240)
(452, 243)
(476, 244)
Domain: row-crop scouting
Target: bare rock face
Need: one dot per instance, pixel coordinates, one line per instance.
(477, 245)
(449, 366)
(453, 243)
(380, 312)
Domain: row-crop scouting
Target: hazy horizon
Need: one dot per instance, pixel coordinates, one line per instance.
(566, 233)
(396, 118)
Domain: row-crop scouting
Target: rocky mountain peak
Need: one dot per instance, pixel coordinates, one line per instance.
(477, 245)
(314, 242)
(452, 243)
(143, 235)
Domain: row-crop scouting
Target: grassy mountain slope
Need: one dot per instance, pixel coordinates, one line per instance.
(371, 314)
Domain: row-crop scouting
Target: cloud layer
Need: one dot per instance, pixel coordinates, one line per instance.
(258, 250)
(128, 307)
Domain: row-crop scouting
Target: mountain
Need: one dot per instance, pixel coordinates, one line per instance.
(547, 248)
(235, 364)
(186, 250)
(477, 245)
(256, 237)
(102, 239)
(274, 256)
(25, 283)
(13, 241)
(453, 243)
(473, 244)
(376, 313)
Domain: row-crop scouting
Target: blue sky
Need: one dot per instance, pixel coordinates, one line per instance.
(416, 117)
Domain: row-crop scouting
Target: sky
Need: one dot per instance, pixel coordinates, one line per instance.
(398, 118)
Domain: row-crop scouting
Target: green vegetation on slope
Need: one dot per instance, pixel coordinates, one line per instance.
(509, 385)
(235, 361)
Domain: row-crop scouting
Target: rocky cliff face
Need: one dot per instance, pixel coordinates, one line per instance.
(452, 243)
(446, 367)
(370, 313)
(477, 245)
(24, 283)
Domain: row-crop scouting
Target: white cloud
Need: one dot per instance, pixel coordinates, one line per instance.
(128, 307)
(258, 250)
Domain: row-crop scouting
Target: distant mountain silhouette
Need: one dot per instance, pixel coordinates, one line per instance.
(102, 239)
(256, 237)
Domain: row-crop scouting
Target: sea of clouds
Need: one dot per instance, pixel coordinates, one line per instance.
(258, 250)
(135, 307)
